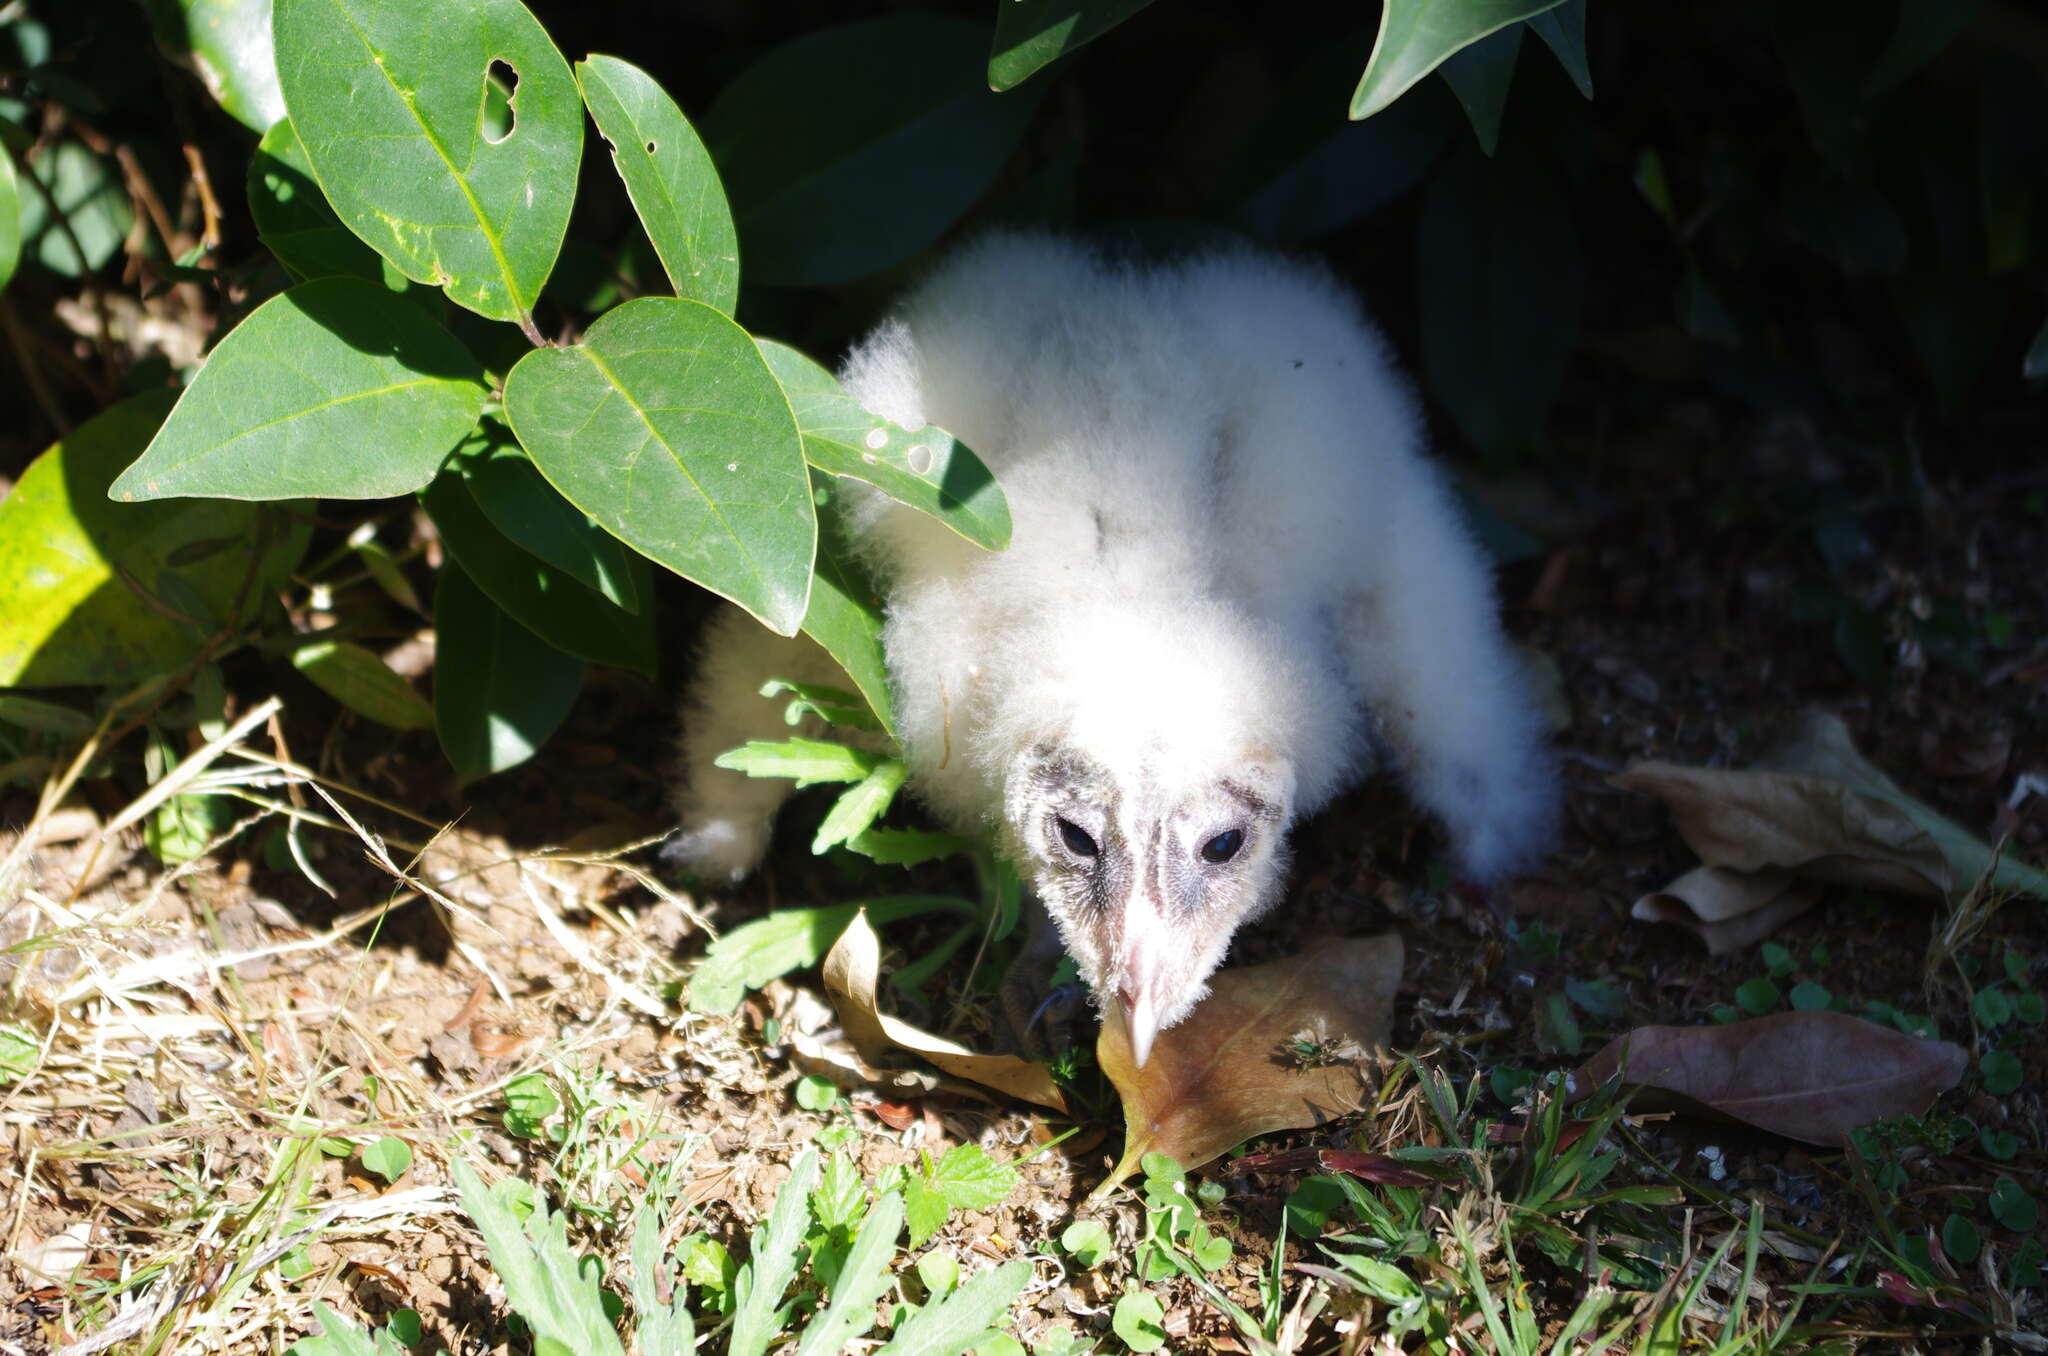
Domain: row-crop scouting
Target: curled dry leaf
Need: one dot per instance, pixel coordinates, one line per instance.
(1273, 1047)
(1811, 808)
(1811, 1076)
(851, 971)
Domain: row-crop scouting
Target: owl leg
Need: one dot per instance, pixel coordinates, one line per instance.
(1450, 693)
(727, 816)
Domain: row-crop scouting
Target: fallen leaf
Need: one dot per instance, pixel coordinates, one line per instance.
(1380, 1168)
(1228, 1072)
(1811, 808)
(1728, 910)
(1811, 1076)
(1975, 756)
(851, 973)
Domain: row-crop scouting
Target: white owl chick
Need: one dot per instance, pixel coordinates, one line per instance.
(1232, 578)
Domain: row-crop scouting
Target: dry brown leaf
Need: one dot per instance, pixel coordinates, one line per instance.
(851, 973)
(1728, 910)
(1226, 1073)
(1811, 1076)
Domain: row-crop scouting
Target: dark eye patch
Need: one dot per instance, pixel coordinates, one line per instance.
(1223, 846)
(1076, 838)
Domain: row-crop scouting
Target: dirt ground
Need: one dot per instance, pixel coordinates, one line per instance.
(202, 1020)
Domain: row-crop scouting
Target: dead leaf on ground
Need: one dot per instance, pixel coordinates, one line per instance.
(1811, 808)
(1230, 1070)
(1811, 1076)
(852, 970)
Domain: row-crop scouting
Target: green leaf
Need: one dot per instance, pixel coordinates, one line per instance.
(1087, 1242)
(336, 388)
(1959, 1239)
(296, 224)
(521, 504)
(1480, 75)
(1808, 996)
(2013, 1207)
(845, 616)
(1992, 1007)
(660, 1328)
(1758, 996)
(10, 218)
(339, 1337)
(227, 44)
(20, 1052)
(857, 809)
(970, 1179)
(666, 426)
(389, 1158)
(2001, 1071)
(529, 1101)
(925, 469)
(72, 561)
(670, 178)
(544, 1278)
(556, 608)
(885, 128)
(840, 1193)
(772, 1261)
(926, 1209)
(2034, 367)
(43, 717)
(1564, 30)
(789, 939)
(863, 1278)
(1417, 35)
(1032, 34)
(1138, 1319)
(816, 1094)
(363, 683)
(389, 103)
(808, 761)
(1498, 273)
(953, 1324)
(500, 691)
(833, 705)
(908, 847)
(89, 197)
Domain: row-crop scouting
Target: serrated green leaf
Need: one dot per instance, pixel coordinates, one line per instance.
(789, 939)
(1417, 35)
(71, 560)
(845, 616)
(886, 128)
(925, 1210)
(296, 224)
(660, 1328)
(666, 426)
(863, 1278)
(1563, 30)
(500, 691)
(907, 847)
(336, 388)
(544, 1279)
(364, 683)
(557, 609)
(968, 1177)
(1032, 34)
(950, 1326)
(859, 807)
(10, 218)
(835, 706)
(772, 1261)
(807, 761)
(925, 469)
(840, 1193)
(388, 100)
(90, 198)
(227, 44)
(670, 178)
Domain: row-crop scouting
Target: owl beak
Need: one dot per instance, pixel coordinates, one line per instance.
(1144, 954)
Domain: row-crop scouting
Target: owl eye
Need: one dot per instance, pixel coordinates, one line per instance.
(1223, 846)
(1076, 838)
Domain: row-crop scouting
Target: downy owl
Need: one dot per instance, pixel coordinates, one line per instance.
(1233, 581)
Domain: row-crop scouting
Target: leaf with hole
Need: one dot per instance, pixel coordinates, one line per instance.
(557, 608)
(74, 565)
(500, 691)
(670, 178)
(923, 468)
(1417, 35)
(886, 128)
(336, 388)
(1032, 34)
(389, 102)
(226, 43)
(363, 683)
(666, 427)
